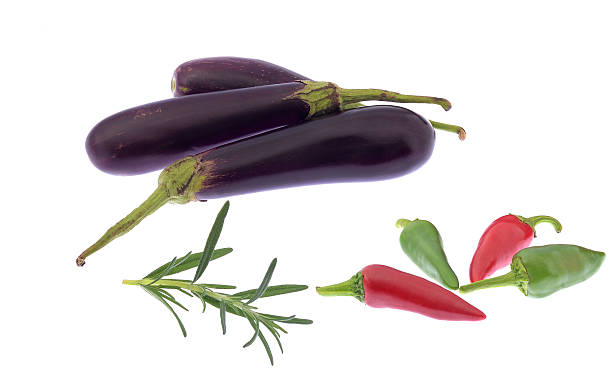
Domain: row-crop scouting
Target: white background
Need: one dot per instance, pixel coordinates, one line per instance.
(530, 81)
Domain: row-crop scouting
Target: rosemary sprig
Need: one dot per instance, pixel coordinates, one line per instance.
(158, 285)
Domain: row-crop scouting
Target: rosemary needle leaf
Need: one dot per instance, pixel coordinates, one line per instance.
(255, 325)
(211, 242)
(277, 318)
(187, 262)
(151, 292)
(222, 314)
(185, 292)
(165, 271)
(267, 347)
(272, 290)
(274, 325)
(167, 296)
(217, 286)
(296, 321)
(264, 282)
(283, 319)
(275, 335)
(162, 291)
(201, 297)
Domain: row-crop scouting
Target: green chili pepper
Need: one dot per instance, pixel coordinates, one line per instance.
(541, 271)
(421, 241)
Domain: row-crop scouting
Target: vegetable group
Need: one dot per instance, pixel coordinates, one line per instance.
(365, 144)
(385, 287)
(421, 241)
(241, 126)
(501, 240)
(541, 271)
(151, 136)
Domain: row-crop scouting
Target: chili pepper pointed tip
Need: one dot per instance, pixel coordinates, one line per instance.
(453, 286)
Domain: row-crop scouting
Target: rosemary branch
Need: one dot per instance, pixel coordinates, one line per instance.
(238, 303)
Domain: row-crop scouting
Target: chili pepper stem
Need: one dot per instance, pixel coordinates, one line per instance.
(402, 222)
(351, 287)
(177, 184)
(535, 220)
(450, 128)
(509, 279)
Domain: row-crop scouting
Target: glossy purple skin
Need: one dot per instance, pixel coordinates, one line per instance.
(152, 136)
(366, 144)
(228, 73)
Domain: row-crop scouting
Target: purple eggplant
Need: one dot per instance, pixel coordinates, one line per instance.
(150, 137)
(200, 76)
(228, 73)
(366, 144)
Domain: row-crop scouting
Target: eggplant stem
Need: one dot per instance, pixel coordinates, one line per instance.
(155, 201)
(371, 94)
(451, 128)
(177, 183)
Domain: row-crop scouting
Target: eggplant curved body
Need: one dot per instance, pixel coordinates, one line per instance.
(367, 144)
(227, 73)
(152, 136)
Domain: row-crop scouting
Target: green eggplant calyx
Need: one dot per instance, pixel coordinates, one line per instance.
(351, 287)
(326, 97)
(183, 179)
(535, 220)
(321, 97)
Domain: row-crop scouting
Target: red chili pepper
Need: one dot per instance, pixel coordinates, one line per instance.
(502, 240)
(385, 287)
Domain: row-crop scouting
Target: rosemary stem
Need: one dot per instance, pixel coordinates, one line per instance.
(194, 288)
(166, 282)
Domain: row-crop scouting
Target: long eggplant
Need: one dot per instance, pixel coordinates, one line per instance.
(150, 137)
(200, 76)
(228, 73)
(366, 144)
